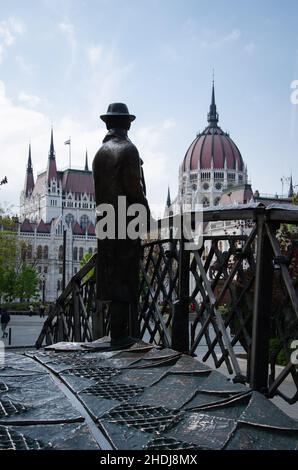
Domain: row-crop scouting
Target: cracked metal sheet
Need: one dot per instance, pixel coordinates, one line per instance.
(203, 431)
(141, 377)
(248, 437)
(157, 354)
(41, 399)
(187, 364)
(160, 444)
(232, 408)
(65, 346)
(134, 426)
(261, 412)
(218, 383)
(103, 397)
(19, 365)
(172, 391)
(66, 436)
(11, 439)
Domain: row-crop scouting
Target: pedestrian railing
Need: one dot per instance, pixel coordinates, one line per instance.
(235, 291)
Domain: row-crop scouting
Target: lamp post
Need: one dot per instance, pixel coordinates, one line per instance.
(43, 279)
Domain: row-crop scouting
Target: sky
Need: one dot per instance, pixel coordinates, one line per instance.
(63, 61)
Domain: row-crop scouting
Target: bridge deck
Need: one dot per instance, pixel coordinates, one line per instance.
(70, 397)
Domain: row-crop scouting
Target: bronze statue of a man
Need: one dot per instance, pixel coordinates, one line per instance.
(117, 172)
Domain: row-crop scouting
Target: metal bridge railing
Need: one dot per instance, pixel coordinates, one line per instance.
(240, 291)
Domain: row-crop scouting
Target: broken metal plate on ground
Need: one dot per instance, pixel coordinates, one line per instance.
(218, 383)
(187, 364)
(203, 431)
(247, 437)
(172, 391)
(11, 439)
(66, 436)
(173, 402)
(262, 412)
(142, 377)
(65, 346)
(157, 354)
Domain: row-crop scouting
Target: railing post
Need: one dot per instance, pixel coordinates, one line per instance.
(98, 321)
(180, 329)
(259, 356)
(76, 313)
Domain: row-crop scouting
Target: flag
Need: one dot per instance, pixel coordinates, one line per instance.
(67, 142)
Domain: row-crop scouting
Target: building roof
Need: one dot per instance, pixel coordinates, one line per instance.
(213, 147)
(43, 228)
(91, 229)
(27, 226)
(77, 181)
(241, 194)
(77, 229)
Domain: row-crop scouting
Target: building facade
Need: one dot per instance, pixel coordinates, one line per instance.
(57, 201)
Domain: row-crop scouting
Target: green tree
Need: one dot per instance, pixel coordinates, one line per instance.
(84, 261)
(8, 252)
(26, 285)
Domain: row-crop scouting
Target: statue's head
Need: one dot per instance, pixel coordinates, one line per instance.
(117, 116)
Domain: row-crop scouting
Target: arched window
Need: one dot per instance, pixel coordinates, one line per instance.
(84, 221)
(81, 252)
(45, 252)
(90, 250)
(75, 253)
(60, 253)
(29, 251)
(39, 252)
(205, 201)
(40, 285)
(58, 284)
(69, 218)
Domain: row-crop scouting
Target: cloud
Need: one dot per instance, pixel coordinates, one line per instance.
(24, 65)
(158, 163)
(32, 100)
(19, 123)
(68, 30)
(9, 30)
(94, 54)
(250, 47)
(231, 37)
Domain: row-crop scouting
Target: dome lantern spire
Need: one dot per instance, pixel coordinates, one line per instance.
(212, 116)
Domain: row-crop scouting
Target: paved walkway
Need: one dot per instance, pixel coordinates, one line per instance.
(71, 397)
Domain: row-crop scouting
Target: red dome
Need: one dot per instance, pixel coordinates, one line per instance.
(214, 144)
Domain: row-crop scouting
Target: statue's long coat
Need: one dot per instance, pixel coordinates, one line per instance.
(117, 172)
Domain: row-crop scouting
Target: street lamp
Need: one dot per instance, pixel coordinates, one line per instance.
(43, 279)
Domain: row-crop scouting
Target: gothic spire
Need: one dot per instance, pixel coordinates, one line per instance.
(212, 115)
(52, 169)
(86, 162)
(291, 189)
(29, 179)
(169, 198)
(52, 150)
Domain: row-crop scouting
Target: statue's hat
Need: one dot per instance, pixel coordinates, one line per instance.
(117, 109)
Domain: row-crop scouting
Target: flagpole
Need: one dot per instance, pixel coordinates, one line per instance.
(69, 153)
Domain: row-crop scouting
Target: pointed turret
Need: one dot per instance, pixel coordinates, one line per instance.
(86, 162)
(169, 198)
(29, 180)
(291, 189)
(52, 169)
(212, 115)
